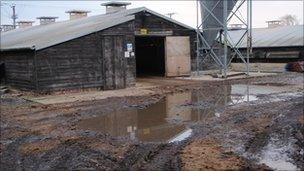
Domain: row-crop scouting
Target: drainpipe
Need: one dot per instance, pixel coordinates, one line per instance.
(197, 40)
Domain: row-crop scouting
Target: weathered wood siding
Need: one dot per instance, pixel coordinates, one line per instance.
(73, 64)
(121, 69)
(114, 74)
(92, 61)
(19, 69)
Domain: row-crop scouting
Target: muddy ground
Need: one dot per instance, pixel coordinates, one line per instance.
(263, 133)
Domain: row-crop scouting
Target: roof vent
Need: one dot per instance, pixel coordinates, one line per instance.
(47, 20)
(75, 14)
(24, 24)
(274, 23)
(112, 7)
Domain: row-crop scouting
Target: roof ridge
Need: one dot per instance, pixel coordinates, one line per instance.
(69, 21)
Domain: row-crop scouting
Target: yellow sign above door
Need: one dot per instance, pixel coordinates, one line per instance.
(143, 31)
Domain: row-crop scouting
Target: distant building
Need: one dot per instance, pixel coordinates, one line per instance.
(76, 14)
(46, 20)
(274, 44)
(6, 27)
(24, 24)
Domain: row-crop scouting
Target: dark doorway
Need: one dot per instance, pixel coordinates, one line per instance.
(150, 56)
(2, 73)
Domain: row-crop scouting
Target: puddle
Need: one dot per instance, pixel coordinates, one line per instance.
(258, 89)
(147, 125)
(241, 93)
(277, 160)
(242, 98)
(166, 121)
(276, 157)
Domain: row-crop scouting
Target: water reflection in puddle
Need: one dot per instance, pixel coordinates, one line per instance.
(148, 125)
(165, 120)
(257, 89)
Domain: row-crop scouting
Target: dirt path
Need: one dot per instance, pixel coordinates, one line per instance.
(226, 133)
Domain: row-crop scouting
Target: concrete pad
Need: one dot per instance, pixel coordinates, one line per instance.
(259, 67)
(210, 78)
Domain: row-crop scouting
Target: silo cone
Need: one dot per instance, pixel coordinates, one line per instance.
(211, 22)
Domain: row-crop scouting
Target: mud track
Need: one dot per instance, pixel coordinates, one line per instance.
(244, 136)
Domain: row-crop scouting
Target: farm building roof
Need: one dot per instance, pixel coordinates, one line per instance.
(283, 36)
(43, 36)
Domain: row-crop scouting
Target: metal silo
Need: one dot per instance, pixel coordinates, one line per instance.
(212, 12)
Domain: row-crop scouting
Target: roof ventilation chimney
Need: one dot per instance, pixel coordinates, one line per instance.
(24, 24)
(75, 14)
(112, 7)
(47, 20)
(274, 23)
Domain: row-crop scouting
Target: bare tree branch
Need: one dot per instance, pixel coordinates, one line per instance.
(290, 20)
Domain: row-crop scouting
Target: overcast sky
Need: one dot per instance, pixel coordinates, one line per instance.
(186, 10)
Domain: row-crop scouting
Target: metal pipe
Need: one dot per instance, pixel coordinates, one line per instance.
(237, 8)
(14, 16)
(197, 39)
(225, 16)
(249, 33)
(234, 14)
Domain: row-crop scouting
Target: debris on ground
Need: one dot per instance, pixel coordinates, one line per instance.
(254, 123)
(295, 66)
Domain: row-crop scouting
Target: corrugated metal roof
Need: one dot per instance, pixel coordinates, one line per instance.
(43, 36)
(284, 36)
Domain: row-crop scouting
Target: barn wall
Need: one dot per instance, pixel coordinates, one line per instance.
(93, 61)
(84, 62)
(19, 69)
(74, 64)
(154, 23)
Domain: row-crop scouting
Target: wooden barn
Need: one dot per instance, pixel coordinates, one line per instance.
(106, 51)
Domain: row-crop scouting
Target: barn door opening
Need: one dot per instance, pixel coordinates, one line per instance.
(150, 56)
(178, 56)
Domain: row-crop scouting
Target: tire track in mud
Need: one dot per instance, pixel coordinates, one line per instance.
(153, 157)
